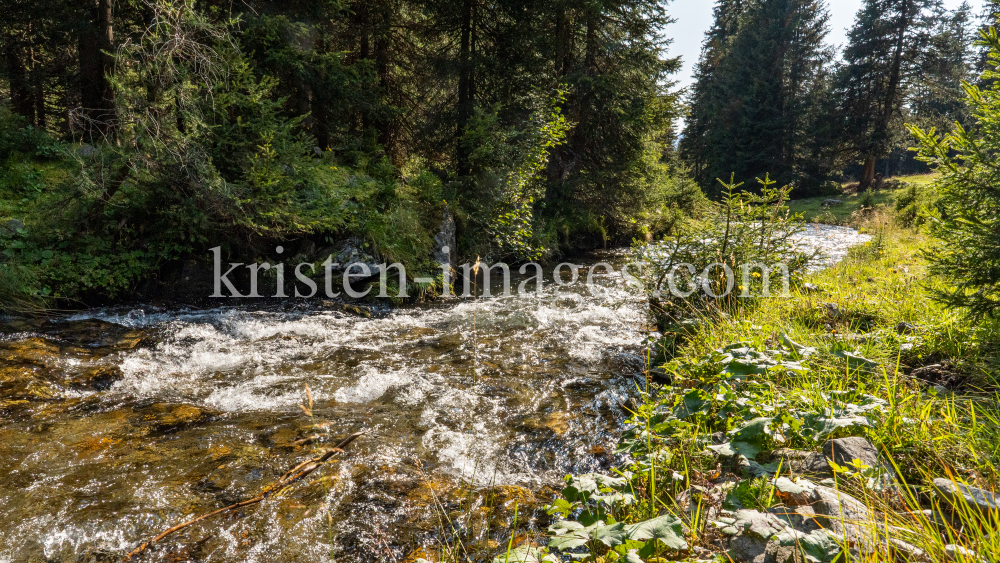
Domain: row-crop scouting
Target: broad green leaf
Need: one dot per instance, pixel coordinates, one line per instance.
(694, 401)
(611, 535)
(526, 554)
(667, 529)
(561, 507)
(750, 438)
(568, 534)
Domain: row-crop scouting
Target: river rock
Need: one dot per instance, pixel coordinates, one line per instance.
(356, 310)
(834, 510)
(751, 533)
(97, 378)
(963, 555)
(351, 251)
(759, 537)
(37, 351)
(176, 416)
(957, 494)
(444, 240)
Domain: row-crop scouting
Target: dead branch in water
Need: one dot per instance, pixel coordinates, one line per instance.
(290, 477)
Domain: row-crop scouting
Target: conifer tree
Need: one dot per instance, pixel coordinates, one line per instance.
(879, 63)
(762, 82)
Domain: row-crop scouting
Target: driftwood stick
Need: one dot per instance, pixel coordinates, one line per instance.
(291, 476)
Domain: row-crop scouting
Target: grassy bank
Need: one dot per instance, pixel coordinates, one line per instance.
(843, 209)
(751, 397)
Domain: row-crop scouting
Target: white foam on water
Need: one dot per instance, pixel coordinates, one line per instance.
(372, 384)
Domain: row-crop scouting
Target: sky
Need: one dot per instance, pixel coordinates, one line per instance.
(694, 17)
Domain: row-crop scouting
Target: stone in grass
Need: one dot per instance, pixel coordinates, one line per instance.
(815, 509)
(752, 534)
(810, 288)
(804, 463)
(960, 496)
(963, 555)
(845, 450)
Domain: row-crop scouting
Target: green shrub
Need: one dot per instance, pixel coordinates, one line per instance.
(742, 229)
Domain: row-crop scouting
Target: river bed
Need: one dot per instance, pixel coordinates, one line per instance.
(117, 424)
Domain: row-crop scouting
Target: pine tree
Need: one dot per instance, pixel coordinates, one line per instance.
(759, 93)
(879, 63)
(944, 59)
(990, 17)
(705, 102)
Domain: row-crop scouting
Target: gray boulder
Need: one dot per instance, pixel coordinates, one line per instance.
(751, 534)
(958, 495)
(86, 151)
(832, 202)
(349, 252)
(844, 450)
(806, 463)
(444, 240)
(10, 227)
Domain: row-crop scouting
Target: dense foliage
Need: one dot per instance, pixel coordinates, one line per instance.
(969, 227)
(174, 127)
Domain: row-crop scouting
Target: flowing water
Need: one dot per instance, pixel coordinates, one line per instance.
(117, 424)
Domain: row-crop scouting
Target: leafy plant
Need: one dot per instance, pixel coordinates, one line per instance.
(744, 230)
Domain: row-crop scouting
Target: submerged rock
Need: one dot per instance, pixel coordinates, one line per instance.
(96, 378)
(37, 351)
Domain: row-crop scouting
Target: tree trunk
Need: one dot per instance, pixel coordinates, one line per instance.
(867, 174)
(590, 59)
(892, 92)
(40, 120)
(386, 127)
(105, 22)
(562, 31)
(465, 83)
(22, 101)
(94, 42)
